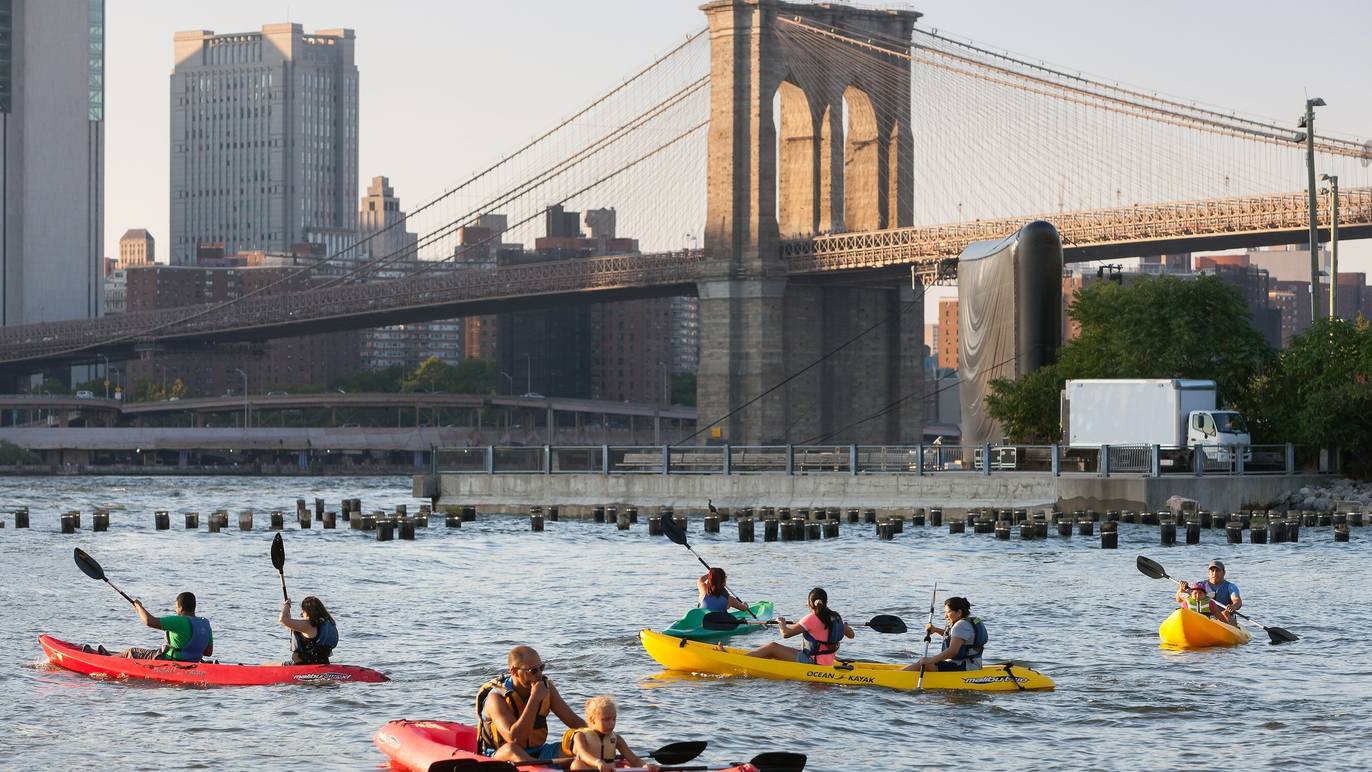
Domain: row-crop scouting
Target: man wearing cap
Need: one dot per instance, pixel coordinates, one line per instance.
(1224, 595)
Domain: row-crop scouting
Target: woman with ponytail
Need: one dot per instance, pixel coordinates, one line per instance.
(714, 593)
(822, 628)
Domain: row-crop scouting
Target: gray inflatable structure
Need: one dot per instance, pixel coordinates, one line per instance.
(1009, 317)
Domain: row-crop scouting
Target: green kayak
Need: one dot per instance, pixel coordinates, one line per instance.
(689, 626)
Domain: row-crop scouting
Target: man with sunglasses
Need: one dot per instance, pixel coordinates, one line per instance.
(1224, 595)
(514, 711)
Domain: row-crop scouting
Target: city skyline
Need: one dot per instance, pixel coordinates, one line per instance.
(406, 55)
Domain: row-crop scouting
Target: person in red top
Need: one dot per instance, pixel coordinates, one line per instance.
(823, 629)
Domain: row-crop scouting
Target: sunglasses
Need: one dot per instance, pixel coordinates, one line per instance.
(535, 669)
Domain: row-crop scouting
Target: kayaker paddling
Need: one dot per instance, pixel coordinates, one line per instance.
(963, 639)
(714, 592)
(823, 629)
(313, 638)
(596, 746)
(1223, 594)
(189, 637)
(513, 710)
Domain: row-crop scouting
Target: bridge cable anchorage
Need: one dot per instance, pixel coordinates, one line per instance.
(163, 323)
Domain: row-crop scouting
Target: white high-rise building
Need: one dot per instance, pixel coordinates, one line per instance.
(263, 139)
(52, 169)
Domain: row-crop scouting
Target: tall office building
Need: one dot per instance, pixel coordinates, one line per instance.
(52, 170)
(263, 139)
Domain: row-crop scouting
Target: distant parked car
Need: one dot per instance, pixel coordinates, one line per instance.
(83, 394)
(276, 394)
(533, 395)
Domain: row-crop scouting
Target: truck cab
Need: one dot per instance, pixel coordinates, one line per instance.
(1215, 429)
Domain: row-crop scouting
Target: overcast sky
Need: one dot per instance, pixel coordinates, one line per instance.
(448, 84)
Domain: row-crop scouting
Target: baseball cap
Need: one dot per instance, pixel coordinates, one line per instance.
(1216, 564)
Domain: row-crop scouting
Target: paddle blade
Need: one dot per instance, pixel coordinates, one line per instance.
(278, 554)
(720, 620)
(88, 565)
(888, 623)
(673, 531)
(679, 753)
(1278, 635)
(1150, 568)
(779, 761)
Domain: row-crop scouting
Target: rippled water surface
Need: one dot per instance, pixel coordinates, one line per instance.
(438, 615)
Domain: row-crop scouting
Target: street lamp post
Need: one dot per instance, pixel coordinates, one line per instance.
(106, 379)
(1307, 122)
(1333, 180)
(511, 380)
(247, 415)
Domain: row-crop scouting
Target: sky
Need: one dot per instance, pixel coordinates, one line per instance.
(449, 84)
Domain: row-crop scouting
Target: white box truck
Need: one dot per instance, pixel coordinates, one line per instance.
(1170, 412)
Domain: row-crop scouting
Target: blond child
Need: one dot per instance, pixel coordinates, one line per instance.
(596, 746)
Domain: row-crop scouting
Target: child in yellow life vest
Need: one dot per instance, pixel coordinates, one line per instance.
(596, 746)
(1198, 601)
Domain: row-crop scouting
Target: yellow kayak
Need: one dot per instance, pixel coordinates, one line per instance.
(1188, 630)
(690, 656)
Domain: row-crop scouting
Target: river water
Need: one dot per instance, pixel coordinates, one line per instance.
(438, 615)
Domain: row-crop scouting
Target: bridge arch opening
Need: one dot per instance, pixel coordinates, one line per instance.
(862, 172)
(797, 154)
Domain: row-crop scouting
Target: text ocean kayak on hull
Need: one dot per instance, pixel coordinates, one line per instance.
(692, 657)
(70, 657)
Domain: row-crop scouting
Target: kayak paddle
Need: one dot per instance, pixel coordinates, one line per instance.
(675, 532)
(1154, 570)
(92, 569)
(671, 753)
(928, 634)
(723, 620)
(279, 563)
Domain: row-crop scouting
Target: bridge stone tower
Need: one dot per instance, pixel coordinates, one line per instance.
(784, 163)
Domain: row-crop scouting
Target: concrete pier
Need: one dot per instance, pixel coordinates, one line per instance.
(1021, 490)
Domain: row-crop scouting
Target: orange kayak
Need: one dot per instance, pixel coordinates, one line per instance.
(1185, 629)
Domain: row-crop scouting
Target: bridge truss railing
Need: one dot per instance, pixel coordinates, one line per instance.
(432, 289)
(921, 459)
(897, 246)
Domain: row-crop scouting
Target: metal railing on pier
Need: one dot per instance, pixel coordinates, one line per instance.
(923, 459)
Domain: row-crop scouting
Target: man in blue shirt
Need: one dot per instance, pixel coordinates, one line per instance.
(1224, 595)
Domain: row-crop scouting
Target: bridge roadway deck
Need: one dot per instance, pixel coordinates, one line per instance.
(1091, 235)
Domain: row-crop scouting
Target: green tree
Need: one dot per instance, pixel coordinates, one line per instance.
(1162, 327)
(471, 376)
(1319, 392)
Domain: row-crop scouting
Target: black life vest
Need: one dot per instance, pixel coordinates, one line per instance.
(316, 650)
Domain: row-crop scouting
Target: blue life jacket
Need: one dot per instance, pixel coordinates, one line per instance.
(194, 650)
(715, 602)
(316, 650)
(815, 647)
(970, 650)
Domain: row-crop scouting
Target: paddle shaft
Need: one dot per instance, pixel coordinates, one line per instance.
(131, 601)
(928, 635)
(284, 596)
(679, 752)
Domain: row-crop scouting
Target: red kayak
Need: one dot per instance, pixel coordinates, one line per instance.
(70, 657)
(437, 746)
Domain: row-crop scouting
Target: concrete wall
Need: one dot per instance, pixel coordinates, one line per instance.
(579, 492)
